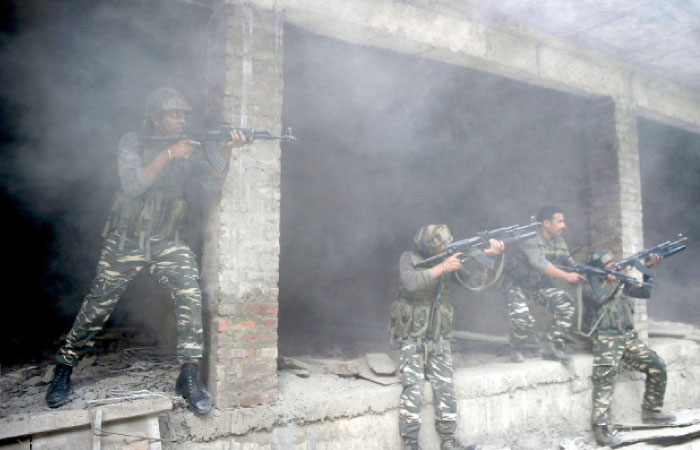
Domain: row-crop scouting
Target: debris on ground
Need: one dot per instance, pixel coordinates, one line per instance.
(380, 363)
(146, 372)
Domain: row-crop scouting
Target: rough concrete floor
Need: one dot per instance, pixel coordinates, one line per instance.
(96, 380)
(152, 371)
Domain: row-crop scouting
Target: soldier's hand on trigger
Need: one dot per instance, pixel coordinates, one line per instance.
(495, 248)
(452, 263)
(182, 149)
(573, 277)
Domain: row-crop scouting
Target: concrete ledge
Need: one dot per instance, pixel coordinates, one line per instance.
(55, 420)
(500, 403)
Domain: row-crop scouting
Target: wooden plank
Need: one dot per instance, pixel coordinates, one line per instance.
(686, 426)
(26, 424)
(96, 428)
(472, 336)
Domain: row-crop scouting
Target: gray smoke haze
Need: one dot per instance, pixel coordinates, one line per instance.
(387, 143)
(75, 76)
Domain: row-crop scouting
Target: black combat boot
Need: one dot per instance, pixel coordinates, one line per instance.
(190, 387)
(657, 417)
(606, 436)
(57, 395)
(454, 444)
(555, 352)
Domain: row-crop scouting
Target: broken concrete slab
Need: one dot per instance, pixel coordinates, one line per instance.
(286, 362)
(380, 363)
(50, 421)
(364, 371)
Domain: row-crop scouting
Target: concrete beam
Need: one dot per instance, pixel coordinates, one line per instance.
(455, 36)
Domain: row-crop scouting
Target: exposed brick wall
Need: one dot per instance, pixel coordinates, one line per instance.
(241, 262)
(629, 177)
(615, 185)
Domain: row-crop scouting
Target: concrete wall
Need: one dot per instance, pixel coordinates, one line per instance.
(241, 263)
(526, 406)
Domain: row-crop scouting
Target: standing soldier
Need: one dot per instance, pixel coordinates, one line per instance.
(144, 230)
(615, 341)
(529, 274)
(421, 323)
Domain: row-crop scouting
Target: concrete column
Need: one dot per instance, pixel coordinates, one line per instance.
(241, 254)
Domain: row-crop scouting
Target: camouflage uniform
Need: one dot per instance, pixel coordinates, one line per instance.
(524, 278)
(421, 323)
(144, 230)
(616, 342)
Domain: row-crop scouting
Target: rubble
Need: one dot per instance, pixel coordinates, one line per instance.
(99, 379)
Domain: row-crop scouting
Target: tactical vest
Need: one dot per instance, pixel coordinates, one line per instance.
(425, 314)
(616, 313)
(158, 212)
(519, 272)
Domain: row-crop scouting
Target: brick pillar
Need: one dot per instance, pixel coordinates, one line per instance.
(632, 232)
(614, 181)
(240, 270)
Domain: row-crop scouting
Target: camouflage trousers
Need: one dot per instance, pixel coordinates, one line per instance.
(173, 266)
(555, 300)
(416, 363)
(610, 349)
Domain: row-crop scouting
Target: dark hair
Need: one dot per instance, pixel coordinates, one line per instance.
(548, 212)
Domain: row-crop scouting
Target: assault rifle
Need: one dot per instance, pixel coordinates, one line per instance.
(513, 233)
(222, 134)
(639, 260)
(598, 274)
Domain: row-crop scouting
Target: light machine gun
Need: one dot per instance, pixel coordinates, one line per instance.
(513, 233)
(639, 260)
(222, 134)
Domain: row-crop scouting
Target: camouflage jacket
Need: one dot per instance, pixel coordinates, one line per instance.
(145, 209)
(423, 309)
(526, 263)
(614, 310)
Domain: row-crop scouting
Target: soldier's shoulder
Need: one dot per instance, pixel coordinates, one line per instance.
(529, 243)
(560, 242)
(410, 254)
(129, 140)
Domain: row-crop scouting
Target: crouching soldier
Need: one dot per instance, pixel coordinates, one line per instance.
(421, 323)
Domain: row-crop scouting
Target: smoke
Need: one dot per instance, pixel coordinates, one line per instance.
(389, 143)
(669, 166)
(74, 79)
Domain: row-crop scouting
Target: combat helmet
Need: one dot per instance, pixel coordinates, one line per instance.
(600, 258)
(431, 236)
(166, 99)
